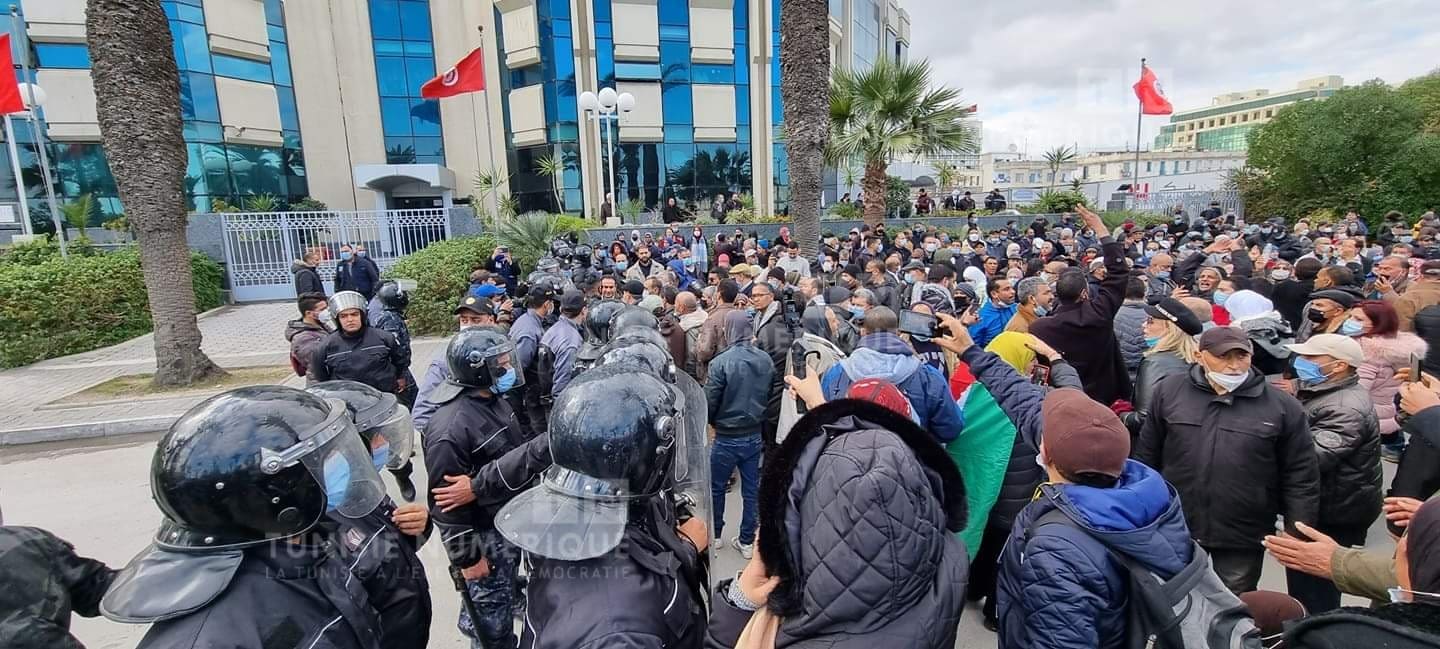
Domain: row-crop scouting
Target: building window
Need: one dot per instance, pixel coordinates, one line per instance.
(66, 56)
(1148, 166)
(1245, 117)
(404, 60)
(1269, 112)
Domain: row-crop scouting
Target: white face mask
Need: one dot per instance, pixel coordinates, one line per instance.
(1230, 382)
(1280, 274)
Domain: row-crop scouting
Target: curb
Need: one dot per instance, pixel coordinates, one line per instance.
(69, 432)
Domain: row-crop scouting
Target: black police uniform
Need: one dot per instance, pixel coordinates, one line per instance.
(392, 321)
(387, 564)
(45, 581)
(368, 356)
(246, 555)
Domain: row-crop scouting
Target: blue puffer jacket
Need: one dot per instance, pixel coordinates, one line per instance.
(992, 322)
(885, 356)
(1061, 588)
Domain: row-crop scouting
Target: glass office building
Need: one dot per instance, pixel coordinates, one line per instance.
(231, 157)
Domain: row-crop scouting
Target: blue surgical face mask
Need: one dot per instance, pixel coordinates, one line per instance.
(750, 311)
(689, 262)
(1220, 298)
(620, 265)
(1041, 310)
(344, 255)
(360, 252)
(1351, 327)
(1164, 274)
(1309, 371)
(381, 455)
(506, 381)
(1151, 342)
(857, 312)
(337, 481)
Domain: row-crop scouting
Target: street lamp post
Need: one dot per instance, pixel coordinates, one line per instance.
(607, 106)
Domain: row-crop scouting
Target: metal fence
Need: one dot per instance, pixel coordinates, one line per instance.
(261, 246)
(1193, 202)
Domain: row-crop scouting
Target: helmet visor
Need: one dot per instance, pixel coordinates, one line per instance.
(500, 364)
(338, 460)
(397, 433)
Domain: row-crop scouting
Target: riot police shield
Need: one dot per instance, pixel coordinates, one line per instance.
(692, 463)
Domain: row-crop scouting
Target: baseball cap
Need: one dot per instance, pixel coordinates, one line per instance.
(1344, 298)
(572, 302)
(1222, 340)
(1082, 436)
(1173, 310)
(474, 305)
(488, 291)
(913, 265)
(1342, 348)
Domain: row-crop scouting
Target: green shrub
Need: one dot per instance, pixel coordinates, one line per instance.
(844, 212)
(442, 273)
(308, 204)
(44, 249)
(1057, 202)
(529, 235)
(66, 306)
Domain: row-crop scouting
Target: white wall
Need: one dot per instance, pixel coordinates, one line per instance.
(70, 111)
(250, 111)
(637, 30)
(712, 31)
(55, 21)
(237, 28)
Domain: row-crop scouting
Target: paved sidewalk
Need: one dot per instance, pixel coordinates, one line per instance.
(234, 336)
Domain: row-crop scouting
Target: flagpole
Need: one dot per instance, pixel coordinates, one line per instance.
(19, 179)
(1139, 112)
(489, 146)
(39, 133)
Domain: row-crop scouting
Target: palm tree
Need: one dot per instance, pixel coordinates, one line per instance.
(1055, 159)
(137, 101)
(890, 111)
(552, 167)
(804, 68)
(945, 175)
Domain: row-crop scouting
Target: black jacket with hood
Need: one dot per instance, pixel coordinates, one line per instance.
(859, 508)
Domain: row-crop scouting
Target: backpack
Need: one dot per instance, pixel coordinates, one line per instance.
(1191, 610)
(808, 354)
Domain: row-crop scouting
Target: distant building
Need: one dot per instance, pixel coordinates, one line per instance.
(1225, 124)
(1191, 169)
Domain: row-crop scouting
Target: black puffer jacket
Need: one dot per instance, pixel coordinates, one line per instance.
(45, 581)
(1237, 459)
(1427, 326)
(858, 509)
(369, 356)
(1393, 626)
(1347, 443)
(1020, 400)
(1153, 369)
(386, 563)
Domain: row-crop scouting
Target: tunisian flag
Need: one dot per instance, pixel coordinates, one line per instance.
(10, 101)
(1152, 98)
(467, 76)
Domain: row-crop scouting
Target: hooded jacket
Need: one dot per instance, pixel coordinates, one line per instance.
(1269, 333)
(307, 279)
(1383, 356)
(885, 356)
(1347, 443)
(858, 510)
(304, 338)
(1061, 587)
(1238, 459)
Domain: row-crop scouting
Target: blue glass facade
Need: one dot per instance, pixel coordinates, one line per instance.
(214, 169)
(865, 35)
(646, 172)
(404, 60)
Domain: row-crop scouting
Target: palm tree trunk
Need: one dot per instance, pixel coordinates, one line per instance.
(874, 183)
(137, 100)
(805, 92)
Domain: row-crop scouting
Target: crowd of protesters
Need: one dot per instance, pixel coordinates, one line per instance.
(1041, 417)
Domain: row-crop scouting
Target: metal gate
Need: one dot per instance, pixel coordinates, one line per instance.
(260, 247)
(1193, 202)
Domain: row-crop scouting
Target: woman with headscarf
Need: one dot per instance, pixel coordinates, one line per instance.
(699, 251)
(684, 275)
(1267, 329)
(1412, 619)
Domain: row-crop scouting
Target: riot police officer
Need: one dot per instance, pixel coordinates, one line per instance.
(45, 581)
(382, 546)
(473, 426)
(248, 482)
(601, 529)
(357, 351)
(471, 312)
(526, 333)
(558, 348)
(597, 333)
(393, 299)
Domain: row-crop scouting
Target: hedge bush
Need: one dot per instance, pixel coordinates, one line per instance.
(442, 273)
(60, 306)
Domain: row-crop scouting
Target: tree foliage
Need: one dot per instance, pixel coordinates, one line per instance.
(1364, 148)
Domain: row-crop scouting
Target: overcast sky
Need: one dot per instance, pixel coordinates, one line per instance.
(1060, 72)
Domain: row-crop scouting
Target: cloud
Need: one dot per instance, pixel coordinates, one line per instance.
(1051, 73)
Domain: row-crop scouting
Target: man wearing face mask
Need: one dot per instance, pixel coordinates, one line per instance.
(307, 333)
(1329, 309)
(472, 312)
(474, 426)
(1033, 297)
(1347, 442)
(1238, 451)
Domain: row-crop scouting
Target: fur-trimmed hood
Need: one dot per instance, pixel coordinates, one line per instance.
(858, 513)
(1393, 351)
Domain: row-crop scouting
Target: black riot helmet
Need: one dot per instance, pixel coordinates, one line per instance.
(613, 438)
(640, 353)
(633, 317)
(547, 264)
(598, 318)
(256, 464)
(392, 297)
(382, 421)
(582, 255)
(479, 357)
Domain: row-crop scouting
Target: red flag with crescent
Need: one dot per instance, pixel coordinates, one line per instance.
(1151, 95)
(466, 76)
